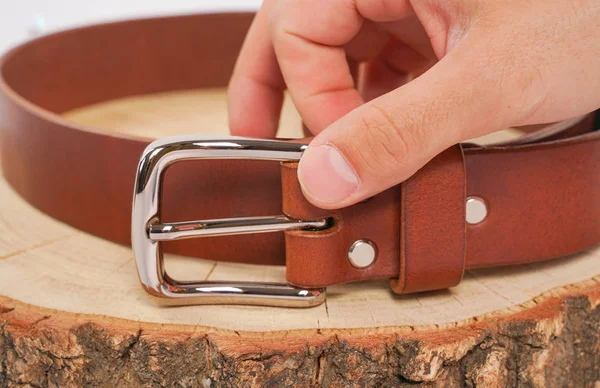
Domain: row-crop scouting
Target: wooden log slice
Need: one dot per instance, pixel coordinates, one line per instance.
(72, 312)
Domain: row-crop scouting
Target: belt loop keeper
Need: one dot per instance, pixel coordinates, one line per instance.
(433, 226)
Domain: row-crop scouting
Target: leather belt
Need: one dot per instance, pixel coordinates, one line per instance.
(542, 193)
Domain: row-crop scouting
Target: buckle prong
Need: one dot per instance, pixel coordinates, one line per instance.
(229, 226)
(148, 231)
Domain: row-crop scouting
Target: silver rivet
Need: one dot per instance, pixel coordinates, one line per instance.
(362, 253)
(476, 210)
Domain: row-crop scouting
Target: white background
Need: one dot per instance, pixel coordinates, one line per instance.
(23, 19)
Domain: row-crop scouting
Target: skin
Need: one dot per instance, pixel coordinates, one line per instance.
(433, 73)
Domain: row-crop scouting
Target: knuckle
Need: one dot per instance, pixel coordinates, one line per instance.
(388, 142)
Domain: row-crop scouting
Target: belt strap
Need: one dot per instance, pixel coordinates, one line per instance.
(543, 196)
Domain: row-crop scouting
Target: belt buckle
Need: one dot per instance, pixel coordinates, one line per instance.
(147, 231)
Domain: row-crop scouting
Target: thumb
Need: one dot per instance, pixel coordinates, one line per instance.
(385, 141)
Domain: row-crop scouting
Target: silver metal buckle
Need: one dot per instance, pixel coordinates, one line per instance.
(147, 231)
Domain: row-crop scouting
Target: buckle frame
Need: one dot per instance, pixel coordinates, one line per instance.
(147, 231)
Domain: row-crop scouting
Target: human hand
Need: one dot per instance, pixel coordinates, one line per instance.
(501, 64)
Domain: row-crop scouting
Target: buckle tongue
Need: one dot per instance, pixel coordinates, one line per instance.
(228, 226)
(147, 231)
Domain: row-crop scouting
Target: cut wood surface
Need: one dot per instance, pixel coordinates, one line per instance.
(72, 311)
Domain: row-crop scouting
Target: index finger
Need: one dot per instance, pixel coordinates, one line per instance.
(309, 38)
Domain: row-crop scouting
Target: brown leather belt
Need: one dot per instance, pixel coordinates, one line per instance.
(542, 193)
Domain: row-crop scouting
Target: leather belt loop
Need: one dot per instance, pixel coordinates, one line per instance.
(433, 226)
(320, 258)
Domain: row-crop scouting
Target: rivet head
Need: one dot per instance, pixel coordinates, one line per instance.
(476, 210)
(362, 253)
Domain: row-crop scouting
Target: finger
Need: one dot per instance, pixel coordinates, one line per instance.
(309, 38)
(355, 72)
(256, 86)
(412, 33)
(309, 48)
(388, 139)
(368, 43)
(384, 10)
(396, 65)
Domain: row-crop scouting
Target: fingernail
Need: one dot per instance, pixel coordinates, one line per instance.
(325, 175)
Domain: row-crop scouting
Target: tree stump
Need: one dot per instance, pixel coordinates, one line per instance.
(72, 312)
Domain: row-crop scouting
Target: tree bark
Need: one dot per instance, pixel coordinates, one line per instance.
(553, 341)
